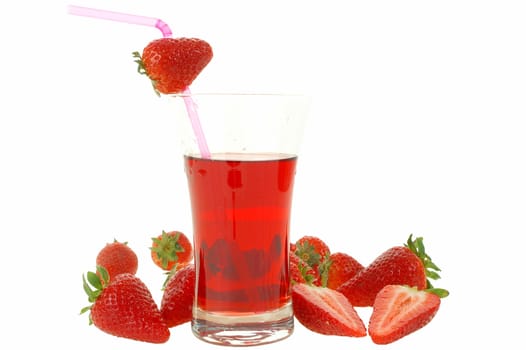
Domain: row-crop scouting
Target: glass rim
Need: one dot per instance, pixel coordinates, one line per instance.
(240, 94)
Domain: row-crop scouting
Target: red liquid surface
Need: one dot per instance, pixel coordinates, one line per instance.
(241, 211)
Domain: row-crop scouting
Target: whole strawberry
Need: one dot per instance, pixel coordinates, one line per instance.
(300, 272)
(342, 268)
(116, 258)
(311, 249)
(404, 265)
(172, 64)
(124, 307)
(171, 249)
(178, 297)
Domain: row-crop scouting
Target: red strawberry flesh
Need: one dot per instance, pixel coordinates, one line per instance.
(399, 311)
(326, 311)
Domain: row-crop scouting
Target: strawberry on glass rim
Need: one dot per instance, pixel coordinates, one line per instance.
(172, 64)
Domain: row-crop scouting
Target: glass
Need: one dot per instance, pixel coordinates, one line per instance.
(241, 195)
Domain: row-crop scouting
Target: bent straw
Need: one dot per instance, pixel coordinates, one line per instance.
(167, 32)
(121, 17)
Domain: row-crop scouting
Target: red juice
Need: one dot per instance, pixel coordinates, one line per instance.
(241, 208)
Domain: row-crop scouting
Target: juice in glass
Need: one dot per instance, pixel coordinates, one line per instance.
(241, 208)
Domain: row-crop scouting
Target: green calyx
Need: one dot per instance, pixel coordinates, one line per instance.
(431, 269)
(323, 270)
(142, 69)
(166, 248)
(307, 252)
(93, 285)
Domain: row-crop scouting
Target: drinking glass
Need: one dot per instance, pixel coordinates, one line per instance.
(240, 174)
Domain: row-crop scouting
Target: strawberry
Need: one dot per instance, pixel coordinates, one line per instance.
(342, 268)
(172, 64)
(326, 311)
(117, 258)
(300, 272)
(171, 248)
(312, 250)
(124, 307)
(399, 311)
(178, 297)
(404, 265)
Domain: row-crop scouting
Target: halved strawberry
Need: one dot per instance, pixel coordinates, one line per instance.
(326, 311)
(399, 311)
(172, 64)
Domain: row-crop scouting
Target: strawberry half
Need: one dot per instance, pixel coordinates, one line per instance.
(326, 311)
(399, 311)
(172, 64)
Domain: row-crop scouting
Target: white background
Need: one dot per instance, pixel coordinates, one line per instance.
(417, 127)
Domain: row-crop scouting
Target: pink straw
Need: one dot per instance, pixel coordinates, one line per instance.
(121, 17)
(167, 32)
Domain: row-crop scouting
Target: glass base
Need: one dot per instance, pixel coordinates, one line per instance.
(243, 330)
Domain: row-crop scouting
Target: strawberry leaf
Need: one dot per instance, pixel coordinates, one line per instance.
(442, 293)
(104, 278)
(94, 280)
(140, 65)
